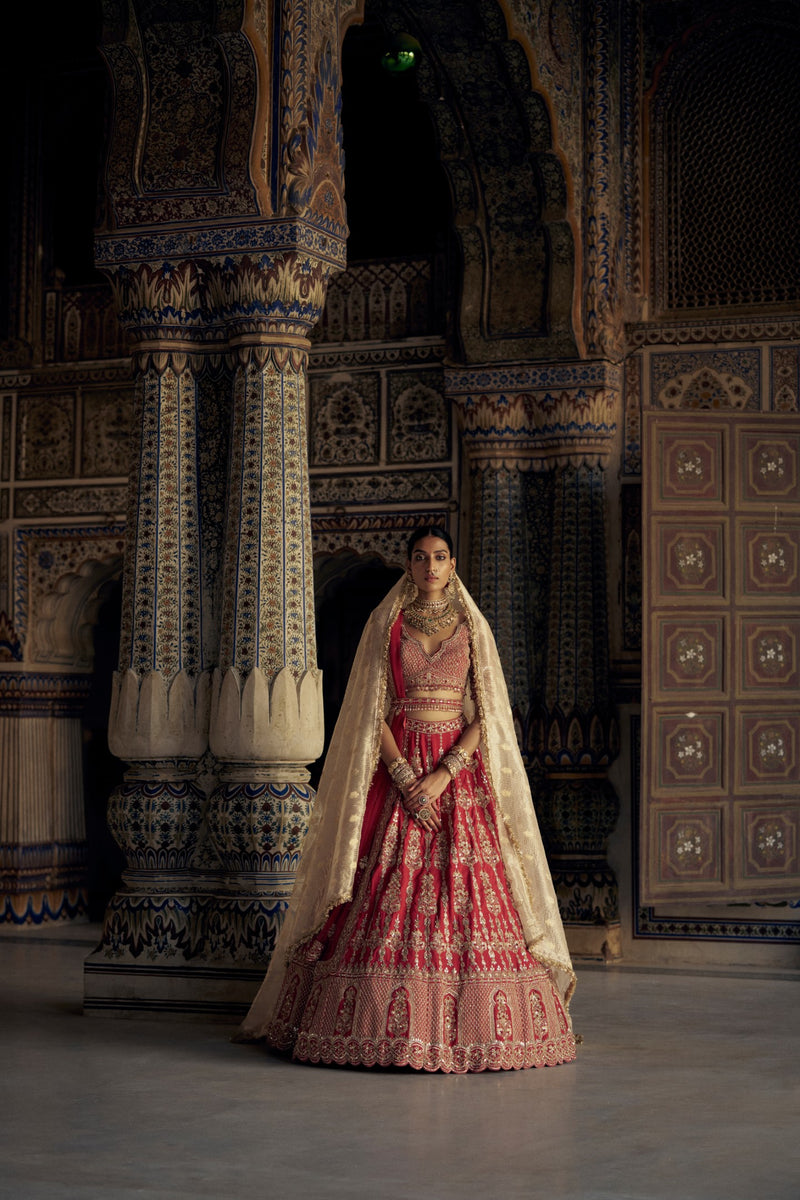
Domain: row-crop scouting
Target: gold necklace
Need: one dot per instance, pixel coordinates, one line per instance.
(439, 614)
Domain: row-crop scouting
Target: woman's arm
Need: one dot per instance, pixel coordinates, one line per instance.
(389, 748)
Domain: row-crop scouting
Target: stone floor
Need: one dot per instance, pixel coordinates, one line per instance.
(687, 1086)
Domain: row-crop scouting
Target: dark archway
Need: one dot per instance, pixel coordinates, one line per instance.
(507, 186)
(398, 201)
(347, 588)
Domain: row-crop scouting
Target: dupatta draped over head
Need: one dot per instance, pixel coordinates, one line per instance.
(330, 853)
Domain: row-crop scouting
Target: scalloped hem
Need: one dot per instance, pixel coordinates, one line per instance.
(458, 1060)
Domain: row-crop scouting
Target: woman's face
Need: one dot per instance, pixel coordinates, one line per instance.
(431, 565)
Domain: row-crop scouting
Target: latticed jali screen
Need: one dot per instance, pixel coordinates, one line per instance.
(729, 169)
(721, 704)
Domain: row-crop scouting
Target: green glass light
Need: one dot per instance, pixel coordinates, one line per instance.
(403, 53)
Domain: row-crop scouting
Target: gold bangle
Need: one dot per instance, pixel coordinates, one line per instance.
(466, 759)
(452, 764)
(401, 773)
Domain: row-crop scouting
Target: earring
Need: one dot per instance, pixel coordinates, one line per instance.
(450, 585)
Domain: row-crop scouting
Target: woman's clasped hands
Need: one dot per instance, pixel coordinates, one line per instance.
(421, 798)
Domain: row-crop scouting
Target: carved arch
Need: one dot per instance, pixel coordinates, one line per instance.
(62, 630)
(507, 184)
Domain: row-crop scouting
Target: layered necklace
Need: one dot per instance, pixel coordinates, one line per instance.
(429, 616)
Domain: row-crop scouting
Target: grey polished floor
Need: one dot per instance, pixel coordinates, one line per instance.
(687, 1087)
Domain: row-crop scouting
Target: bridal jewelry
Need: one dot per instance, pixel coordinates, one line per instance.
(429, 616)
(402, 773)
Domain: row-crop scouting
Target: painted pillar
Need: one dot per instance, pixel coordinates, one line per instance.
(498, 566)
(224, 219)
(573, 731)
(537, 440)
(159, 712)
(267, 716)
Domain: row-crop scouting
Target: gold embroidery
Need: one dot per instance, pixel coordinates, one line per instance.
(538, 1016)
(427, 902)
(390, 901)
(450, 1020)
(398, 1018)
(344, 1017)
(504, 1030)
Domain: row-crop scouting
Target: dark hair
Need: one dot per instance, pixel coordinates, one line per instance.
(430, 531)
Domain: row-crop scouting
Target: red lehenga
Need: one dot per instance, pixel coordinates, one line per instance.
(427, 965)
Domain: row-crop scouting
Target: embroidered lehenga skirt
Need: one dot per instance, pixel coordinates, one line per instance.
(427, 965)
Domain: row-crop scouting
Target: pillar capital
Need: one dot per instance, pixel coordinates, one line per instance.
(199, 294)
(535, 417)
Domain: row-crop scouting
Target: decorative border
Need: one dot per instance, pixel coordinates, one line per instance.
(28, 694)
(35, 907)
(57, 499)
(420, 352)
(116, 371)
(736, 329)
(527, 377)
(362, 533)
(260, 238)
(381, 486)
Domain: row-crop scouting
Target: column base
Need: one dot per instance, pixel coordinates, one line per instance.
(239, 928)
(603, 942)
(42, 882)
(588, 898)
(184, 989)
(43, 906)
(203, 952)
(155, 924)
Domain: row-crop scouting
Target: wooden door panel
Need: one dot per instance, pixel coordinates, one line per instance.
(721, 664)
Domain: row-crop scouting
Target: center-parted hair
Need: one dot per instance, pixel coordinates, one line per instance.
(424, 531)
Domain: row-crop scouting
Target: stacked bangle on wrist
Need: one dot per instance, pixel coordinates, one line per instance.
(401, 772)
(452, 764)
(455, 760)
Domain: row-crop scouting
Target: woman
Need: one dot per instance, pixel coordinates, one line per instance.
(423, 929)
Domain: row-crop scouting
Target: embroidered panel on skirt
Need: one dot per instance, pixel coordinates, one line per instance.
(428, 966)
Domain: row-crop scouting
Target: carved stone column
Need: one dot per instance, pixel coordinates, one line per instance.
(159, 713)
(536, 439)
(267, 715)
(224, 219)
(573, 733)
(498, 566)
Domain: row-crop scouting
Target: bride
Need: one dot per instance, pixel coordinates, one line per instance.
(423, 929)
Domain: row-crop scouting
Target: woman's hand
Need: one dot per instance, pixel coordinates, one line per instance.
(422, 797)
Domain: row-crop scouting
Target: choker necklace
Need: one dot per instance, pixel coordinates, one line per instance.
(429, 616)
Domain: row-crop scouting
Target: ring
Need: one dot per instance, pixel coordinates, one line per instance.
(424, 813)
